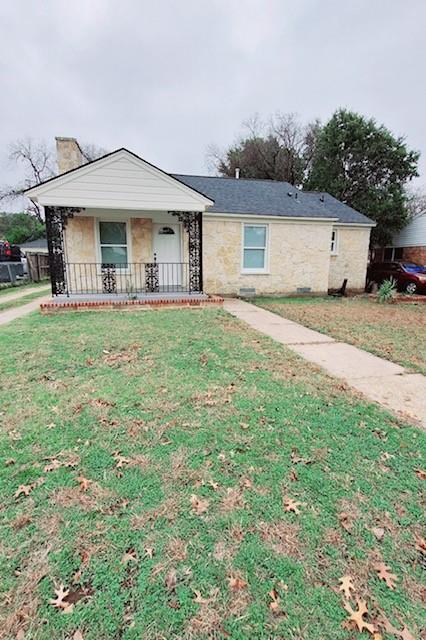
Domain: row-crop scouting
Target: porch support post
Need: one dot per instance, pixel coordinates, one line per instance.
(193, 224)
(56, 219)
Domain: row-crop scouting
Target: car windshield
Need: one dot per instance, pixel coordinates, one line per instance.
(413, 268)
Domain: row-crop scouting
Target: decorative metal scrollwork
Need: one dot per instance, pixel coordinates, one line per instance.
(56, 220)
(152, 277)
(109, 278)
(193, 223)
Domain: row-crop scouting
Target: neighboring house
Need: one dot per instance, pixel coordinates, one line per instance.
(34, 246)
(121, 225)
(409, 244)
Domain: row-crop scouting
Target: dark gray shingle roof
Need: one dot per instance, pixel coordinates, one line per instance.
(41, 243)
(338, 209)
(269, 197)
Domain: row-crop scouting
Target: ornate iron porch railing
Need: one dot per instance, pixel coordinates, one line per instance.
(131, 278)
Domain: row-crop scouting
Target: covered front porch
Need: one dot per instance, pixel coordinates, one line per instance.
(124, 254)
(120, 227)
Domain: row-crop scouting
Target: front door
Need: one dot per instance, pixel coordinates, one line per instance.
(167, 248)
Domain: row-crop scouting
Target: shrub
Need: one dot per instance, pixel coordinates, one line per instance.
(387, 290)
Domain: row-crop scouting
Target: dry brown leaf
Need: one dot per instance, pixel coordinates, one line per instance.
(292, 505)
(420, 473)
(52, 466)
(293, 475)
(421, 545)
(84, 483)
(120, 460)
(274, 606)
(129, 556)
(199, 599)
(346, 521)
(171, 580)
(357, 616)
(236, 583)
(199, 505)
(296, 459)
(383, 572)
(59, 601)
(346, 585)
(25, 489)
(378, 532)
(78, 636)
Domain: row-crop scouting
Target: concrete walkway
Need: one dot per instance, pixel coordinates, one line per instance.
(379, 380)
(18, 312)
(21, 292)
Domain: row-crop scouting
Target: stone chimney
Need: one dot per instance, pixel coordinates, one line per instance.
(68, 154)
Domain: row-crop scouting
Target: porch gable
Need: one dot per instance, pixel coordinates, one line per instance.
(120, 180)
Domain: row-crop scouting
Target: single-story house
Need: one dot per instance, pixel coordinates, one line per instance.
(408, 245)
(119, 225)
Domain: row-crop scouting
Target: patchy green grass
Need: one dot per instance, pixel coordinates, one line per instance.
(392, 331)
(9, 289)
(159, 449)
(18, 302)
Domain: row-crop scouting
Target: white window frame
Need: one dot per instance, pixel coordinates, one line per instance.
(128, 241)
(334, 243)
(265, 268)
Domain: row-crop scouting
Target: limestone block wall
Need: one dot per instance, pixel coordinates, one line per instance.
(141, 237)
(351, 259)
(299, 257)
(80, 239)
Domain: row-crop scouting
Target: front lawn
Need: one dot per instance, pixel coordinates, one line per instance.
(393, 331)
(174, 474)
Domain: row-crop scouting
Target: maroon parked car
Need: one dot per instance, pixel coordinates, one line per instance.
(409, 277)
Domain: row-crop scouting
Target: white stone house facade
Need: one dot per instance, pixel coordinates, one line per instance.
(121, 226)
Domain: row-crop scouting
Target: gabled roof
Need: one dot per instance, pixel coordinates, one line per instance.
(119, 179)
(214, 194)
(270, 197)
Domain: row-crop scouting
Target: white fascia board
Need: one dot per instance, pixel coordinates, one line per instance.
(358, 225)
(275, 218)
(70, 176)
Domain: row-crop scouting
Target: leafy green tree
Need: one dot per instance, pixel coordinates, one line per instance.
(363, 164)
(279, 149)
(20, 227)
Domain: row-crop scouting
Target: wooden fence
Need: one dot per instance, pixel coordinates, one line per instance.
(38, 266)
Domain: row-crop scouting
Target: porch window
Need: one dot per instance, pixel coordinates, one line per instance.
(255, 248)
(113, 243)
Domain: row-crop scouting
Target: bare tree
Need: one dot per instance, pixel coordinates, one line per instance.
(416, 203)
(278, 149)
(36, 160)
(91, 151)
(38, 163)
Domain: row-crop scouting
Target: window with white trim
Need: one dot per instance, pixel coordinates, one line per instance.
(255, 247)
(113, 243)
(333, 247)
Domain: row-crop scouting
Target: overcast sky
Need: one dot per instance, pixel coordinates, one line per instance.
(166, 78)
